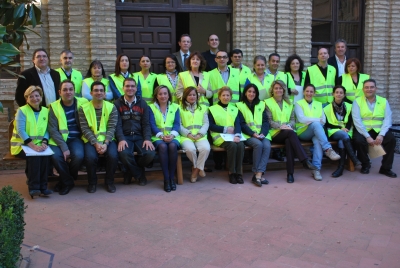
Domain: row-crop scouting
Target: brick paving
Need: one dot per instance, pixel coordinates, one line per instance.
(351, 221)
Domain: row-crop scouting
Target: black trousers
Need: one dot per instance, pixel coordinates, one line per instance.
(361, 145)
(293, 147)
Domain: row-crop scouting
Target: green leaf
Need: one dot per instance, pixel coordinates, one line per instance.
(7, 49)
(2, 31)
(38, 14)
(17, 39)
(19, 11)
(13, 74)
(4, 60)
(32, 16)
(18, 23)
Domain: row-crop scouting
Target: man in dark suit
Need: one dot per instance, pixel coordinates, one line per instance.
(209, 55)
(39, 75)
(184, 43)
(339, 59)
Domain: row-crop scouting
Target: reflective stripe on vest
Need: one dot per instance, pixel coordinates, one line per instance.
(188, 81)
(146, 85)
(278, 115)
(331, 118)
(233, 83)
(316, 112)
(164, 127)
(34, 128)
(193, 121)
(76, 77)
(90, 114)
(352, 92)
(254, 122)
(323, 87)
(372, 120)
(222, 118)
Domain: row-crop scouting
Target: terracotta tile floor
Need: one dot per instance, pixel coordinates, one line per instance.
(351, 221)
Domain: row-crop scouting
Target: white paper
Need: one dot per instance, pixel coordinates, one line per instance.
(30, 152)
(299, 95)
(376, 151)
(229, 137)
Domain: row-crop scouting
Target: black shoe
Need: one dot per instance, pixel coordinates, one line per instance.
(33, 193)
(167, 186)
(65, 190)
(264, 181)
(387, 172)
(256, 181)
(142, 180)
(83, 168)
(239, 179)
(91, 188)
(308, 165)
(46, 192)
(173, 184)
(290, 178)
(150, 165)
(127, 179)
(365, 169)
(110, 188)
(57, 187)
(277, 155)
(232, 178)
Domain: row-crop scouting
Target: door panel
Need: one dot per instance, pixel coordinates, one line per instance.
(142, 33)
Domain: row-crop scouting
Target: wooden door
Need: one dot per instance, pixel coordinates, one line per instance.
(146, 33)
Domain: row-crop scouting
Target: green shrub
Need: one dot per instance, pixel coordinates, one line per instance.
(12, 224)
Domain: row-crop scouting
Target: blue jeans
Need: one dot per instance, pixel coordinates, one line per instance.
(316, 133)
(68, 171)
(340, 136)
(91, 159)
(133, 168)
(261, 151)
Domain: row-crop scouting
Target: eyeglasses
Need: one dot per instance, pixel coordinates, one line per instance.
(98, 90)
(221, 57)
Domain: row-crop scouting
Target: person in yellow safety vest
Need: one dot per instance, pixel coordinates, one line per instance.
(281, 121)
(322, 76)
(165, 124)
(193, 130)
(67, 72)
(30, 129)
(224, 75)
(236, 56)
(310, 120)
(145, 80)
(259, 77)
(170, 77)
(372, 120)
(294, 67)
(339, 124)
(223, 118)
(122, 71)
(95, 73)
(195, 76)
(352, 80)
(65, 136)
(98, 119)
(255, 128)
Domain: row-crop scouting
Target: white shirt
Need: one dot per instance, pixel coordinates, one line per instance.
(340, 66)
(49, 92)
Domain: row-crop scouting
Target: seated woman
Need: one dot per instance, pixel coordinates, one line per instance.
(194, 127)
(165, 124)
(195, 77)
(30, 129)
(95, 73)
(255, 128)
(170, 77)
(339, 125)
(310, 126)
(223, 118)
(281, 121)
(145, 80)
(122, 71)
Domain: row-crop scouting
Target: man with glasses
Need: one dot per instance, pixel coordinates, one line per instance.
(39, 75)
(66, 71)
(209, 55)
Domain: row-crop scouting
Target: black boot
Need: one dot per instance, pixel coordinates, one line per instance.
(339, 171)
(167, 186)
(173, 184)
(351, 153)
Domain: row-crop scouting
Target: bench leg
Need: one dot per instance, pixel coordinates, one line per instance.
(350, 165)
(179, 172)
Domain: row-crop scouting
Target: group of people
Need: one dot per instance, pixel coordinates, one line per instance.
(198, 100)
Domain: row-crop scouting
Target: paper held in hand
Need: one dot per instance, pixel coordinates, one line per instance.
(229, 137)
(30, 152)
(375, 151)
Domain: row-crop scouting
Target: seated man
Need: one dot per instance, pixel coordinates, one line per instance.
(372, 119)
(133, 133)
(65, 136)
(98, 119)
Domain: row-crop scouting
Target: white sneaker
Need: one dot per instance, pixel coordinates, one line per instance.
(317, 175)
(332, 154)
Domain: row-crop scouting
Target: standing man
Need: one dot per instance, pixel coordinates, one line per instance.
(372, 119)
(274, 60)
(66, 71)
(39, 75)
(133, 133)
(209, 55)
(322, 76)
(65, 136)
(98, 119)
(224, 75)
(184, 43)
(236, 56)
(338, 61)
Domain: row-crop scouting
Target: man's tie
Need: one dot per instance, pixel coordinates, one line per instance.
(184, 60)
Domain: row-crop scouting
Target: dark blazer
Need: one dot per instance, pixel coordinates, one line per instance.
(32, 79)
(332, 61)
(179, 58)
(210, 59)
